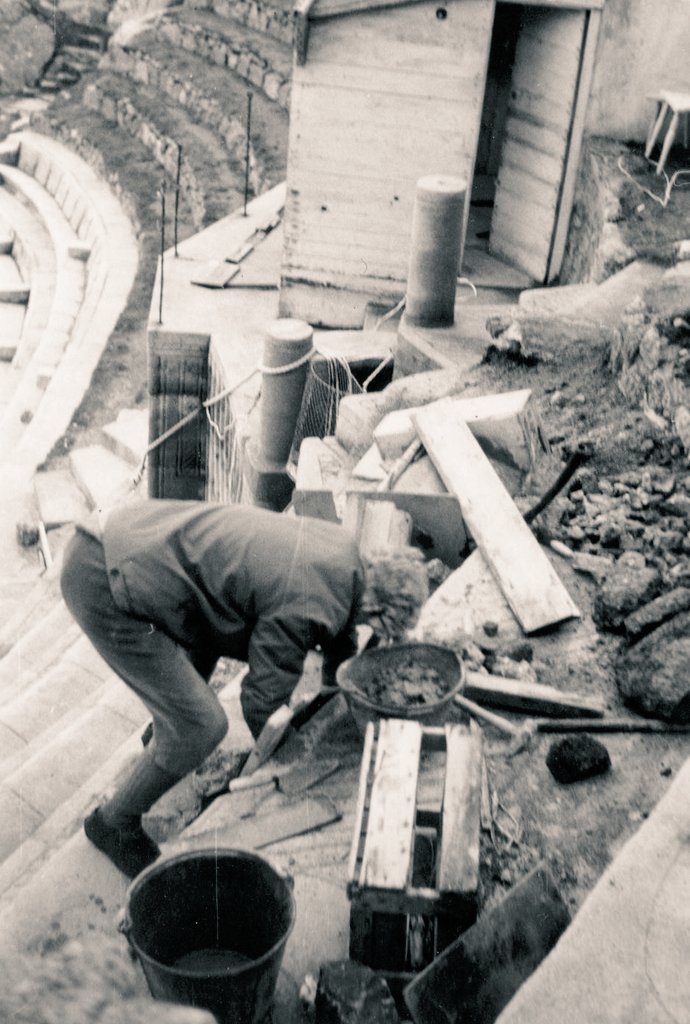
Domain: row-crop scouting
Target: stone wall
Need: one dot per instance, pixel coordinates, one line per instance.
(650, 355)
(595, 249)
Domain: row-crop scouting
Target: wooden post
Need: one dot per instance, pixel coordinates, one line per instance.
(178, 385)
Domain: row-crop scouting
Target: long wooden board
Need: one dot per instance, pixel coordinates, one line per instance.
(390, 829)
(458, 870)
(528, 580)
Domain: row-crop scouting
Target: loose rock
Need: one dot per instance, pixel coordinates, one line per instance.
(350, 993)
(574, 758)
(660, 610)
(624, 590)
(652, 675)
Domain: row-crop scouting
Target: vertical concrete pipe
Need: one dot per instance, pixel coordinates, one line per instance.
(288, 345)
(435, 250)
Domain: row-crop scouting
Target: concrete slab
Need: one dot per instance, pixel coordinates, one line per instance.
(59, 499)
(624, 957)
(128, 436)
(101, 475)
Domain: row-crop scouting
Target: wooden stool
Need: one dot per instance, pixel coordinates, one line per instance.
(677, 105)
(413, 876)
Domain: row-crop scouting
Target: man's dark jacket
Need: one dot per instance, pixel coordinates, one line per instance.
(238, 581)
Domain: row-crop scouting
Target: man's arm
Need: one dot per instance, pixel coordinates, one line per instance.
(276, 654)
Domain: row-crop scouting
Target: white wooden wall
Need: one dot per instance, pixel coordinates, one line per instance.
(384, 98)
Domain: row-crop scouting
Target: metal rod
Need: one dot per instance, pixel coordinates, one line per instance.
(160, 301)
(247, 151)
(177, 194)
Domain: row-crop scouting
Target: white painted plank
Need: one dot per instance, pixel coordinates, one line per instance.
(390, 826)
(526, 577)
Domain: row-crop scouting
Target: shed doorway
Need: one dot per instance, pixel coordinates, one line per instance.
(537, 84)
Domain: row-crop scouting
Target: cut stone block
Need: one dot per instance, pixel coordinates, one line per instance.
(128, 436)
(313, 495)
(378, 524)
(100, 474)
(59, 499)
(506, 426)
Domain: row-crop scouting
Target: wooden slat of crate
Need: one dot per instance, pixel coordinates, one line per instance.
(458, 871)
(390, 827)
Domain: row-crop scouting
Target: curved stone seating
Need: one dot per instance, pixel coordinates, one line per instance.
(97, 258)
(250, 54)
(212, 96)
(34, 253)
(275, 18)
(206, 180)
(68, 295)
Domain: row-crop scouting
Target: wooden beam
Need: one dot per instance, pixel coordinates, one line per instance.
(528, 580)
(528, 697)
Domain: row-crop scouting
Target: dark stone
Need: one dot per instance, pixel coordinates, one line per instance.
(491, 628)
(578, 757)
(624, 589)
(660, 610)
(652, 675)
(350, 993)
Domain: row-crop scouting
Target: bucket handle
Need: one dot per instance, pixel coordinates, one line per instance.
(124, 927)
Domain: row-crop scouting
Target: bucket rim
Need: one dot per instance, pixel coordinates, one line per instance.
(205, 851)
(351, 690)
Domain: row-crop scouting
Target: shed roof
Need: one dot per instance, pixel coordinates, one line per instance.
(315, 10)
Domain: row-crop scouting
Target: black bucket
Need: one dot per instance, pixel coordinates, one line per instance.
(209, 928)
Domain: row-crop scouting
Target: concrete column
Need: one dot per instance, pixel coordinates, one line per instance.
(287, 344)
(435, 250)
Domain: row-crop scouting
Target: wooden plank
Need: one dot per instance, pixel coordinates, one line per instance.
(458, 870)
(359, 833)
(216, 274)
(525, 575)
(572, 164)
(388, 847)
(528, 697)
(474, 978)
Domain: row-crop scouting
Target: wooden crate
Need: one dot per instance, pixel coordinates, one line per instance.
(413, 876)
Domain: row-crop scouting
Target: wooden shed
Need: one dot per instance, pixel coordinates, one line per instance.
(387, 91)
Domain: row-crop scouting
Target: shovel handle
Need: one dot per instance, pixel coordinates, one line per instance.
(498, 722)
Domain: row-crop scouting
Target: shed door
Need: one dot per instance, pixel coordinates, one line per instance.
(544, 89)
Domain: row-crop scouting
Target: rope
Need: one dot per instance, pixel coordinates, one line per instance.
(275, 371)
(670, 183)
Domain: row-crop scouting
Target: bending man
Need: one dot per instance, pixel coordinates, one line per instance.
(167, 588)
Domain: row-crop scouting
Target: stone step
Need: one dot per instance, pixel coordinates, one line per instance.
(43, 849)
(40, 604)
(52, 700)
(128, 436)
(31, 794)
(46, 844)
(100, 474)
(59, 498)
